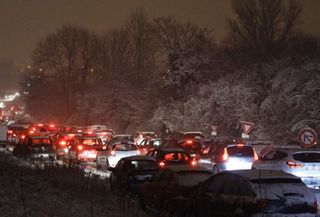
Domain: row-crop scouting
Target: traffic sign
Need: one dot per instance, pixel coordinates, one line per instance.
(307, 137)
(247, 127)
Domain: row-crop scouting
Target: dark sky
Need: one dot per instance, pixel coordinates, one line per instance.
(24, 22)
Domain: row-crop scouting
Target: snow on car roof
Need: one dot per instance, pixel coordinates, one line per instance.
(262, 174)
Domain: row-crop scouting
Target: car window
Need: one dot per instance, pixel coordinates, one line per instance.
(240, 151)
(41, 141)
(307, 157)
(143, 164)
(90, 142)
(124, 147)
(175, 156)
(275, 155)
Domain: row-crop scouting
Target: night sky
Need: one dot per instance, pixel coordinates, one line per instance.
(24, 22)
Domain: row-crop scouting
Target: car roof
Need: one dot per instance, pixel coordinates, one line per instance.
(262, 174)
(291, 150)
(140, 157)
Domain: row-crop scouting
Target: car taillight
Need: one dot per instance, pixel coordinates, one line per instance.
(63, 143)
(51, 125)
(262, 203)
(194, 162)
(161, 164)
(80, 147)
(113, 153)
(22, 136)
(256, 157)
(293, 164)
(315, 206)
(31, 132)
(138, 152)
(189, 142)
(240, 145)
(10, 131)
(225, 155)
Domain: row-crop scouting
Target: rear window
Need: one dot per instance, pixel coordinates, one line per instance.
(124, 147)
(90, 142)
(307, 157)
(240, 151)
(41, 141)
(192, 178)
(175, 157)
(275, 181)
(143, 164)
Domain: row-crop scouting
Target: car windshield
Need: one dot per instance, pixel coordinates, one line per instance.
(124, 147)
(192, 178)
(240, 151)
(175, 157)
(307, 157)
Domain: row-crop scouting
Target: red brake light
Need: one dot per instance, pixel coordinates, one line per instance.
(256, 157)
(240, 145)
(63, 143)
(23, 137)
(194, 162)
(292, 164)
(104, 133)
(189, 142)
(10, 131)
(113, 153)
(162, 164)
(40, 125)
(80, 147)
(261, 204)
(52, 125)
(225, 155)
(31, 132)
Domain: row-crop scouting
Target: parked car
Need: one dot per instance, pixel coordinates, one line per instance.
(166, 156)
(131, 172)
(252, 193)
(84, 149)
(35, 148)
(114, 152)
(233, 157)
(302, 162)
(176, 181)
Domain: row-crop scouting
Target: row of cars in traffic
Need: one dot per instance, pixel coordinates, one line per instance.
(186, 173)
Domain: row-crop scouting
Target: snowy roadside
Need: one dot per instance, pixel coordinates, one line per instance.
(56, 191)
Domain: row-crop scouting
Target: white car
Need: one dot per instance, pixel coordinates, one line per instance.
(302, 162)
(110, 157)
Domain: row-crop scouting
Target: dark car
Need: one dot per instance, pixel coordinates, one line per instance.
(174, 182)
(252, 193)
(35, 148)
(130, 172)
(149, 143)
(171, 156)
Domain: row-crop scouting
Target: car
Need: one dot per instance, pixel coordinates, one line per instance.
(16, 132)
(166, 156)
(236, 156)
(131, 172)
(302, 162)
(104, 134)
(62, 144)
(247, 193)
(144, 134)
(119, 138)
(191, 146)
(149, 143)
(109, 157)
(84, 149)
(175, 181)
(36, 148)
